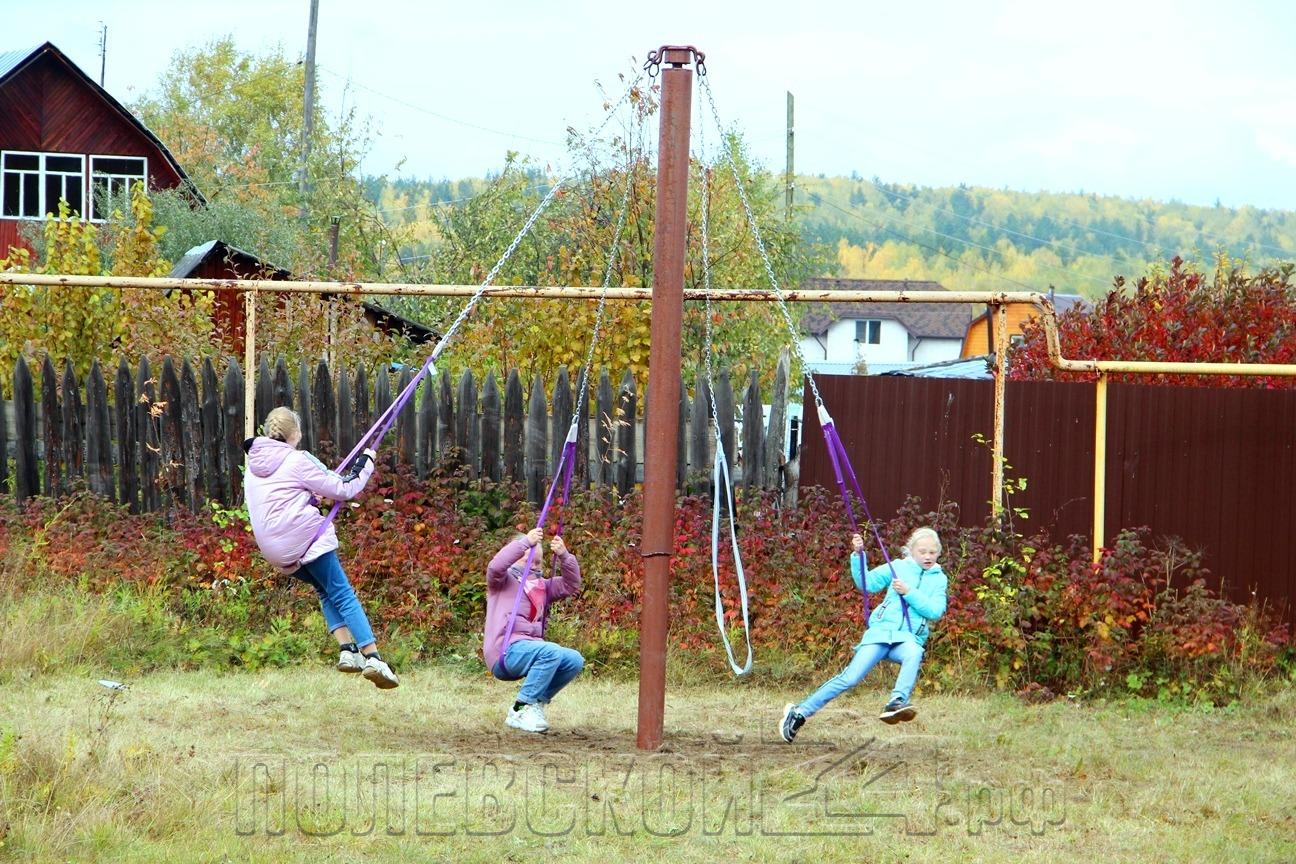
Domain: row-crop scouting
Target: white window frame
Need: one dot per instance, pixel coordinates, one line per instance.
(43, 174)
(126, 181)
(871, 327)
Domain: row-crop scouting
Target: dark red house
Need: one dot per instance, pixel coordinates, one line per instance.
(64, 136)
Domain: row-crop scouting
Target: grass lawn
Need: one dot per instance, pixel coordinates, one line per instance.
(307, 764)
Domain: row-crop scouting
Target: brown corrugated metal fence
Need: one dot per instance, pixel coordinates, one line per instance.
(1213, 466)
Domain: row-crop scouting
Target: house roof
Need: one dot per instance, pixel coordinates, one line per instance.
(12, 63)
(924, 320)
(974, 368)
(220, 250)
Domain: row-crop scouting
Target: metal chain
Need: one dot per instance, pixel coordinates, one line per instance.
(582, 391)
(760, 246)
(708, 350)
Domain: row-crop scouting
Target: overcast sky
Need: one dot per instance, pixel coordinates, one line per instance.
(1194, 101)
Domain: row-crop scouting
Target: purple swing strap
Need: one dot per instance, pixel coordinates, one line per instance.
(563, 475)
(837, 454)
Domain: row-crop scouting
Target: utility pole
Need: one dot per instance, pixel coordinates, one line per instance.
(308, 110)
(791, 175)
(660, 447)
(103, 51)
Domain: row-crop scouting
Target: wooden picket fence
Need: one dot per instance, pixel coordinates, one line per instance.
(175, 437)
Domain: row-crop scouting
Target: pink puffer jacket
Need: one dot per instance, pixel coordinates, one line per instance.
(281, 486)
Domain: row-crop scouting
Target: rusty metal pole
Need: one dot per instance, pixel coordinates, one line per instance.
(660, 453)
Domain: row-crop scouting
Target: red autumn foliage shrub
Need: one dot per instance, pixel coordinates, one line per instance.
(1182, 315)
(1024, 612)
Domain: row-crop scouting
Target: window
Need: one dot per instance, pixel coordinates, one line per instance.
(111, 179)
(33, 183)
(868, 332)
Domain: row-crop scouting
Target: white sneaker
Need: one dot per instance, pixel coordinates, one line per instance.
(529, 719)
(377, 671)
(351, 661)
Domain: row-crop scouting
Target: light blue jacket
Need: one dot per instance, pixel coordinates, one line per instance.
(926, 601)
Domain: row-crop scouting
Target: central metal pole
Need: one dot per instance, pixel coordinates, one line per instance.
(660, 453)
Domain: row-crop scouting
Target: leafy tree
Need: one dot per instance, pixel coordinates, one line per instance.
(569, 245)
(234, 120)
(1182, 315)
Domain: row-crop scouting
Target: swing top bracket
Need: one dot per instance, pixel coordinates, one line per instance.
(674, 56)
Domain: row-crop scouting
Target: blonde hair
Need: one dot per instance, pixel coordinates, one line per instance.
(923, 533)
(282, 424)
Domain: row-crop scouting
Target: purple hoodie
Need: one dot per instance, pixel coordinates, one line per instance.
(281, 485)
(502, 577)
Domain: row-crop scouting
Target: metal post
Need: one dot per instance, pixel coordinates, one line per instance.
(1100, 465)
(308, 110)
(663, 388)
(249, 363)
(791, 175)
(1001, 386)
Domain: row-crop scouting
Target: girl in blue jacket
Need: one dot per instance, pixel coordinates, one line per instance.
(897, 629)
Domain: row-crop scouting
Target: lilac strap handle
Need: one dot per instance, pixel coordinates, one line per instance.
(563, 475)
(837, 454)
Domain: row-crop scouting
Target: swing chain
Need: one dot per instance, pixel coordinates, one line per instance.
(760, 247)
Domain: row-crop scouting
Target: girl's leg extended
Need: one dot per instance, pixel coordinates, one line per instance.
(909, 655)
(326, 574)
(866, 657)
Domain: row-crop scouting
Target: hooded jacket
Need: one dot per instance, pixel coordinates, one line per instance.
(503, 577)
(926, 601)
(282, 486)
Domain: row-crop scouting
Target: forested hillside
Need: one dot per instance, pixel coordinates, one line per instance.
(969, 238)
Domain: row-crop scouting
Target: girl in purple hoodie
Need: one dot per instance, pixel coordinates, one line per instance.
(283, 487)
(547, 666)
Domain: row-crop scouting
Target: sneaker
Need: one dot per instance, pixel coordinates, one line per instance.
(377, 671)
(529, 718)
(897, 710)
(350, 661)
(792, 721)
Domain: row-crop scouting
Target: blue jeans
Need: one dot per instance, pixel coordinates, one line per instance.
(337, 597)
(908, 654)
(547, 666)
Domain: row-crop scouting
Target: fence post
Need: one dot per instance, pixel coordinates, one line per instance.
(561, 414)
(191, 437)
(264, 390)
(361, 412)
(537, 445)
(407, 422)
(213, 436)
(775, 445)
(514, 427)
(605, 420)
(127, 454)
(325, 413)
(172, 436)
(345, 415)
(490, 429)
(681, 438)
(427, 426)
(27, 481)
(445, 423)
(4, 444)
(310, 440)
(73, 427)
(701, 434)
(99, 463)
(628, 463)
(469, 430)
(283, 394)
(52, 415)
(753, 437)
(382, 401)
(235, 424)
(147, 441)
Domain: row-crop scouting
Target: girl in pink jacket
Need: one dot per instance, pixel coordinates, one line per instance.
(547, 666)
(283, 487)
